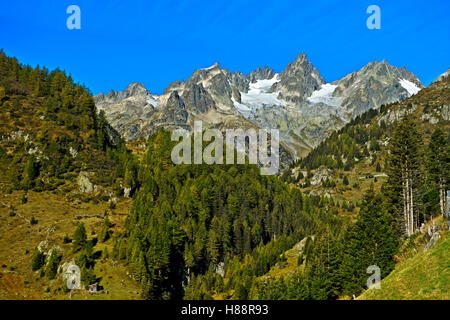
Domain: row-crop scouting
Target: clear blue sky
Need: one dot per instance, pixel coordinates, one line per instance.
(156, 42)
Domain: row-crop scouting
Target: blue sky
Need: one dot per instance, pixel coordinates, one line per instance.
(156, 42)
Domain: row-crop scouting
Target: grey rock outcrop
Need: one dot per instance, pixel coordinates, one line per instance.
(43, 246)
(261, 74)
(198, 98)
(434, 238)
(85, 185)
(320, 176)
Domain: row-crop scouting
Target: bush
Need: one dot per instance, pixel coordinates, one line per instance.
(24, 198)
(345, 181)
(67, 239)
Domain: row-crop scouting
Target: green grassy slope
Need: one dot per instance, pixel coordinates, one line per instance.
(423, 276)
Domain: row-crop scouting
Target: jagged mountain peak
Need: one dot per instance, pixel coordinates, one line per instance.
(216, 65)
(301, 59)
(298, 80)
(384, 69)
(260, 74)
(375, 84)
(136, 88)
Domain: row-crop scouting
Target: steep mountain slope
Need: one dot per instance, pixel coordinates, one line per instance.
(297, 101)
(49, 128)
(424, 276)
(60, 164)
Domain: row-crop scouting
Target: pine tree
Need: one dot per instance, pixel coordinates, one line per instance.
(37, 260)
(404, 175)
(438, 166)
(213, 246)
(79, 238)
(104, 234)
(370, 241)
(2, 94)
(52, 265)
(30, 172)
(378, 168)
(345, 180)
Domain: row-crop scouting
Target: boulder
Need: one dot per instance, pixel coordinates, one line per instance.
(220, 269)
(320, 175)
(127, 192)
(73, 152)
(86, 186)
(43, 246)
(434, 238)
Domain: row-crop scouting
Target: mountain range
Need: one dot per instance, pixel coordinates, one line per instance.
(298, 101)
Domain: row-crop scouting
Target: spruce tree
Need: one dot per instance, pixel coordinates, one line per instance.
(52, 266)
(30, 172)
(405, 176)
(438, 166)
(105, 233)
(370, 241)
(79, 238)
(345, 181)
(378, 168)
(37, 260)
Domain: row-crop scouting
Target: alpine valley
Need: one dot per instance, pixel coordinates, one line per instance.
(87, 183)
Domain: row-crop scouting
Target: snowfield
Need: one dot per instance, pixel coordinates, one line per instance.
(325, 95)
(259, 96)
(153, 100)
(409, 86)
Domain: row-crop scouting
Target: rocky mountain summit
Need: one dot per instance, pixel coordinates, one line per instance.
(297, 101)
(443, 76)
(376, 84)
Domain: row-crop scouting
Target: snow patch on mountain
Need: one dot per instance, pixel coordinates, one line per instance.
(153, 100)
(259, 94)
(242, 108)
(325, 95)
(409, 86)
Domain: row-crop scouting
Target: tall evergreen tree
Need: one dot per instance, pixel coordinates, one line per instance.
(370, 241)
(79, 238)
(438, 166)
(404, 175)
(52, 265)
(37, 260)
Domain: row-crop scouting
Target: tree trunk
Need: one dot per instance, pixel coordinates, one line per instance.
(405, 204)
(442, 196)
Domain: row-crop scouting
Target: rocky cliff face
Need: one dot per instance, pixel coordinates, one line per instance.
(297, 101)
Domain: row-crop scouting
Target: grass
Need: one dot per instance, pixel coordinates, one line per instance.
(56, 215)
(425, 276)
